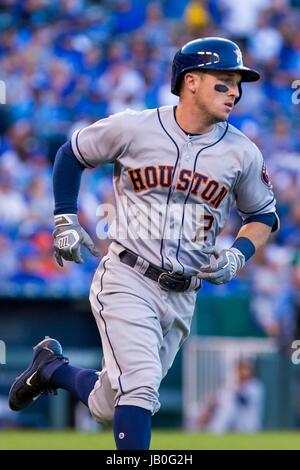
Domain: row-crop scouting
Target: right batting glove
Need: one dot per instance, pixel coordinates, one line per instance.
(223, 265)
(68, 236)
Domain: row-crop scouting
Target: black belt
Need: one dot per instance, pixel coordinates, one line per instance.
(165, 280)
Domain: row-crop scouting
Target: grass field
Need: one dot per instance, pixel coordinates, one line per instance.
(161, 440)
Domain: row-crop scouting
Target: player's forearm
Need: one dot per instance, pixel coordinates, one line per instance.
(67, 172)
(257, 232)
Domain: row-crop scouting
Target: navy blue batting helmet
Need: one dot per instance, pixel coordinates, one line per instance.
(209, 54)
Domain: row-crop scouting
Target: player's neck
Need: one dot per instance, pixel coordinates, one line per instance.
(192, 120)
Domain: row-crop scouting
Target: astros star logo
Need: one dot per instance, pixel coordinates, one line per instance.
(238, 56)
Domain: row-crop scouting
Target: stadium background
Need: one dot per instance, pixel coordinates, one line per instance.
(68, 63)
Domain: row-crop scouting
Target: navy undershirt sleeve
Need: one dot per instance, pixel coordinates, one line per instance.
(67, 172)
(269, 219)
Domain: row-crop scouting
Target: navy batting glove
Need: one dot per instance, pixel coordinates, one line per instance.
(224, 265)
(68, 238)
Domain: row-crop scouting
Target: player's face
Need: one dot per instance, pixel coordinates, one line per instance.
(217, 104)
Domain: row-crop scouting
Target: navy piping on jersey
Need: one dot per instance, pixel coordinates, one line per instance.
(188, 194)
(78, 150)
(170, 189)
(105, 326)
(187, 133)
(266, 205)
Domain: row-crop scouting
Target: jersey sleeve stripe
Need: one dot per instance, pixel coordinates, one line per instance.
(84, 162)
(258, 210)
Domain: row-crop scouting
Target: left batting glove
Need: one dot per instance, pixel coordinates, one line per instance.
(68, 237)
(223, 266)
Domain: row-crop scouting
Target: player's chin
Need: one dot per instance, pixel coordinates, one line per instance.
(225, 112)
(222, 116)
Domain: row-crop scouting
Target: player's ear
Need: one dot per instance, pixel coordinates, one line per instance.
(190, 81)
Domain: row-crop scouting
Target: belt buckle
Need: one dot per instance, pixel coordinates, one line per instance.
(159, 280)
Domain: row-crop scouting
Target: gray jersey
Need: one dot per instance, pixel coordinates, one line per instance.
(158, 166)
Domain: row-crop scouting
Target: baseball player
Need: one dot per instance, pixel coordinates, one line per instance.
(172, 160)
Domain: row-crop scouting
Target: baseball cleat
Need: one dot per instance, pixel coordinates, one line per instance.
(35, 380)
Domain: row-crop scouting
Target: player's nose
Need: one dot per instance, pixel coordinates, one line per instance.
(234, 92)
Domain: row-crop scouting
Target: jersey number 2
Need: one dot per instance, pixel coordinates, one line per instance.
(205, 225)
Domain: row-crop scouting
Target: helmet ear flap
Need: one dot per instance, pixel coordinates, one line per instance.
(240, 92)
(176, 74)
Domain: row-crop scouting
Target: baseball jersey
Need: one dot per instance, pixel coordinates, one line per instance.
(174, 191)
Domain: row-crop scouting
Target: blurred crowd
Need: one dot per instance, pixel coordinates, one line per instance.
(67, 63)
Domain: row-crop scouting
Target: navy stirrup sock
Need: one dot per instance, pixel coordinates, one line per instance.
(132, 428)
(79, 382)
